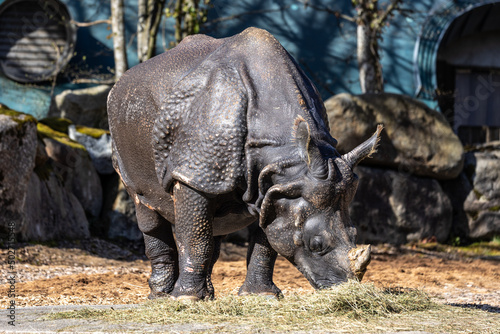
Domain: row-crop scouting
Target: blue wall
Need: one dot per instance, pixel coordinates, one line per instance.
(324, 45)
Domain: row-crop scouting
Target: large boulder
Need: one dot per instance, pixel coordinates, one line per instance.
(393, 207)
(122, 218)
(40, 194)
(63, 190)
(18, 146)
(72, 162)
(482, 204)
(52, 212)
(83, 106)
(457, 191)
(417, 139)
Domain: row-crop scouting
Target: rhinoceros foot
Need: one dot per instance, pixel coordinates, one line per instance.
(158, 295)
(264, 290)
(186, 299)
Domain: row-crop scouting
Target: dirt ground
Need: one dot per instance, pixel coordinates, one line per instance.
(97, 272)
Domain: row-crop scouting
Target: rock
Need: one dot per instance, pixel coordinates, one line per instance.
(83, 106)
(52, 212)
(18, 146)
(58, 124)
(457, 191)
(393, 207)
(98, 144)
(122, 219)
(416, 138)
(483, 202)
(41, 156)
(72, 162)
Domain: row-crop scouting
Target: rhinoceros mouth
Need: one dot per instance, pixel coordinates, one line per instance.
(332, 279)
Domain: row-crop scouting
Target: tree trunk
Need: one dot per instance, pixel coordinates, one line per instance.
(142, 30)
(368, 31)
(370, 70)
(150, 13)
(118, 28)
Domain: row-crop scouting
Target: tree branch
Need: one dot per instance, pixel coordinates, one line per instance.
(95, 81)
(89, 24)
(328, 10)
(253, 12)
(394, 5)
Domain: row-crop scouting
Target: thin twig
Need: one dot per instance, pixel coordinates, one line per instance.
(253, 12)
(390, 8)
(328, 10)
(89, 24)
(95, 81)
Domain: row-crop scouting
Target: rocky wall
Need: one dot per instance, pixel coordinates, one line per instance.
(421, 184)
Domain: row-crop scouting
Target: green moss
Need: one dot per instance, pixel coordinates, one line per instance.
(92, 132)
(46, 132)
(478, 194)
(482, 248)
(494, 208)
(17, 116)
(477, 249)
(57, 123)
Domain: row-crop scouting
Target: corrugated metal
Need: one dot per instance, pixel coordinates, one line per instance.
(36, 39)
(431, 36)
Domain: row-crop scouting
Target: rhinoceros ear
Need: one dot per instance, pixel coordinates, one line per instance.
(308, 151)
(268, 208)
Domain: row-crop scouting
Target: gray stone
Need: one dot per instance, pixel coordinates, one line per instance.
(18, 145)
(457, 191)
(416, 138)
(122, 219)
(52, 212)
(83, 106)
(393, 207)
(73, 164)
(99, 149)
(482, 204)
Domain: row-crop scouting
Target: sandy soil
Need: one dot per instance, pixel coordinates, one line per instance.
(96, 272)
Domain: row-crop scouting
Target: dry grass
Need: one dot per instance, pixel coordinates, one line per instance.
(321, 310)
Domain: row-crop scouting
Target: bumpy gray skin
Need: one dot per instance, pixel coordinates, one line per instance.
(218, 133)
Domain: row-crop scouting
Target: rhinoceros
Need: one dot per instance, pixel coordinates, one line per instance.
(216, 134)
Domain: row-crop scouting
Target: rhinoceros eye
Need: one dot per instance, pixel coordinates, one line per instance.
(316, 244)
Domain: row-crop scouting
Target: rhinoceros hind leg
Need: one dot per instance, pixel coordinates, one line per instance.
(160, 249)
(195, 242)
(260, 266)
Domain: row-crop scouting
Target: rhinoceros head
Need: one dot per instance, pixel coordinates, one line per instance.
(307, 220)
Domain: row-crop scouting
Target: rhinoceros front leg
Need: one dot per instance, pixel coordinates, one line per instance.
(260, 266)
(215, 257)
(195, 243)
(160, 249)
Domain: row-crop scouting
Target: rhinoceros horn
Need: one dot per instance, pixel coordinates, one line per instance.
(364, 150)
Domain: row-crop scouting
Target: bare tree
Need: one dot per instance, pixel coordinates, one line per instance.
(117, 26)
(150, 15)
(370, 23)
